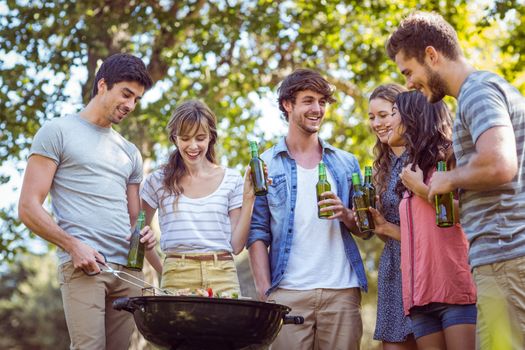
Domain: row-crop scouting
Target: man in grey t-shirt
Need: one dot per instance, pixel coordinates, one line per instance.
(93, 175)
(488, 140)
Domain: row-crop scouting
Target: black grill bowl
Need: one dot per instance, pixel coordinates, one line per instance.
(184, 322)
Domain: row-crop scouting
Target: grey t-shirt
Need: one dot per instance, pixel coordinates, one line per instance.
(493, 219)
(88, 193)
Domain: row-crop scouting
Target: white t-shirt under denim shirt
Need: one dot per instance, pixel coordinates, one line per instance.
(317, 257)
(195, 225)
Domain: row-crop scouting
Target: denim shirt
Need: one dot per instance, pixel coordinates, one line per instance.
(273, 214)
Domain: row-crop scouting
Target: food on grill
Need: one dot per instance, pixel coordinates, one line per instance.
(200, 292)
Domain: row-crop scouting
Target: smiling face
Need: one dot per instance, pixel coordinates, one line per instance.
(380, 118)
(395, 136)
(422, 77)
(120, 100)
(193, 144)
(307, 112)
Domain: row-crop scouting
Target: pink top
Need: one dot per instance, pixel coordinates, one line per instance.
(434, 260)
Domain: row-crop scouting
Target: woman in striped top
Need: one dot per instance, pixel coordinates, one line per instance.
(204, 209)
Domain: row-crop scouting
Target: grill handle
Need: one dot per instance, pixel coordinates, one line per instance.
(293, 319)
(124, 304)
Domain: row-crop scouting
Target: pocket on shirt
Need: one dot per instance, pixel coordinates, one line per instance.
(277, 191)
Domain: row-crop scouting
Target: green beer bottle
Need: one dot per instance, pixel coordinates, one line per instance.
(444, 204)
(257, 171)
(369, 188)
(322, 186)
(366, 223)
(136, 248)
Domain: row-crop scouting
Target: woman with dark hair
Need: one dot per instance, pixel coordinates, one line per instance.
(393, 328)
(438, 291)
(204, 209)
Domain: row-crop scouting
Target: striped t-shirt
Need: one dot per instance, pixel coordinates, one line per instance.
(195, 225)
(493, 219)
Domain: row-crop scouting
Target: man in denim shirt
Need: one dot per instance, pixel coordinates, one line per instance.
(313, 265)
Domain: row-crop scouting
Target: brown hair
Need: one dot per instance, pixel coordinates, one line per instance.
(427, 131)
(187, 118)
(301, 80)
(382, 166)
(418, 31)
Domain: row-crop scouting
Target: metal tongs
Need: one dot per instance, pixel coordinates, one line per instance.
(129, 278)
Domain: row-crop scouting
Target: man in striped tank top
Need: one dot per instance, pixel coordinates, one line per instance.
(488, 140)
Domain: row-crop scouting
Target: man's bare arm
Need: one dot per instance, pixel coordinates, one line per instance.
(494, 163)
(260, 264)
(37, 182)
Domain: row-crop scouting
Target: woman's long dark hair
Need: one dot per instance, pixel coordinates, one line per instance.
(382, 166)
(186, 120)
(427, 131)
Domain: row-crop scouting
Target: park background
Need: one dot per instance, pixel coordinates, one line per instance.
(229, 53)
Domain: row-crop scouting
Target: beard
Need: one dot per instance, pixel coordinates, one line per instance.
(302, 123)
(308, 129)
(117, 116)
(436, 85)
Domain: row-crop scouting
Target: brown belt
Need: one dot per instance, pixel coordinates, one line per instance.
(204, 257)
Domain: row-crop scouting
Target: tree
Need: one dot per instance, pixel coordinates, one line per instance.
(229, 53)
(513, 14)
(30, 305)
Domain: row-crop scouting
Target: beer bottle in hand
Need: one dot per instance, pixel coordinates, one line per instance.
(444, 204)
(369, 188)
(136, 248)
(366, 223)
(322, 186)
(257, 171)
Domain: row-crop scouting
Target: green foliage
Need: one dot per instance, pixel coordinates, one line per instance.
(30, 305)
(11, 239)
(511, 12)
(227, 53)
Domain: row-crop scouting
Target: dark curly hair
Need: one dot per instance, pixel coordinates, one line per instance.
(427, 132)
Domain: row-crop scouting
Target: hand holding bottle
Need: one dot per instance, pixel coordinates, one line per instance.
(249, 188)
(332, 204)
(440, 182)
(148, 238)
(369, 188)
(380, 223)
(258, 171)
(136, 246)
(361, 205)
(323, 186)
(444, 203)
(382, 227)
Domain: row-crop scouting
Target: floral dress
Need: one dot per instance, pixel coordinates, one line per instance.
(391, 325)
